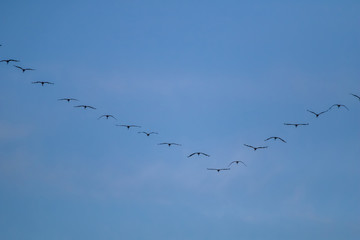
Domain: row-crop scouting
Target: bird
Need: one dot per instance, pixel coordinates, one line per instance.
(198, 153)
(296, 124)
(237, 162)
(275, 138)
(127, 126)
(218, 169)
(107, 116)
(24, 69)
(317, 114)
(169, 144)
(355, 96)
(338, 105)
(42, 83)
(85, 106)
(148, 133)
(9, 60)
(255, 147)
(68, 99)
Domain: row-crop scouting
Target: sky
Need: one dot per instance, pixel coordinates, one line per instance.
(210, 75)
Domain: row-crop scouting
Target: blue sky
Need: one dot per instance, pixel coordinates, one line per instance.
(211, 75)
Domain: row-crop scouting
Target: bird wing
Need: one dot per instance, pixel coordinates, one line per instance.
(249, 146)
(355, 96)
(91, 107)
(262, 147)
(205, 154)
(231, 163)
(18, 67)
(162, 143)
(213, 169)
(268, 138)
(191, 155)
(344, 106)
(153, 133)
(282, 139)
(312, 112)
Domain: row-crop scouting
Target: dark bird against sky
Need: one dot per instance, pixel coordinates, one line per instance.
(296, 124)
(317, 114)
(9, 60)
(275, 138)
(338, 106)
(218, 169)
(128, 126)
(169, 144)
(68, 99)
(42, 83)
(84, 106)
(237, 162)
(198, 153)
(107, 116)
(255, 148)
(148, 133)
(24, 69)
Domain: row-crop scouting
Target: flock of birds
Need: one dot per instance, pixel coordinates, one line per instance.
(107, 116)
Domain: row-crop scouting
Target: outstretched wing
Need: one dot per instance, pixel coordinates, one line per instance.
(249, 146)
(358, 97)
(282, 139)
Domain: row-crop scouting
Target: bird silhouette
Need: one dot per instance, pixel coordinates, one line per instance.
(24, 69)
(317, 114)
(169, 144)
(128, 126)
(237, 162)
(296, 124)
(358, 97)
(338, 105)
(148, 133)
(42, 83)
(218, 169)
(84, 106)
(255, 147)
(67, 99)
(275, 138)
(198, 153)
(107, 116)
(9, 60)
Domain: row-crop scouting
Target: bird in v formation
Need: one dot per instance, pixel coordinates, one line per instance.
(275, 138)
(107, 116)
(9, 60)
(255, 148)
(42, 83)
(68, 99)
(198, 153)
(128, 126)
(317, 114)
(148, 133)
(24, 69)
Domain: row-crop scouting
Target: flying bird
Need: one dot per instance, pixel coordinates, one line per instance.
(198, 153)
(296, 124)
(338, 105)
(317, 114)
(67, 99)
(275, 138)
(128, 126)
(85, 106)
(255, 147)
(169, 144)
(24, 69)
(218, 169)
(9, 60)
(107, 116)
(355, 96)
(237, 162)
(148, 133)
(42, 83)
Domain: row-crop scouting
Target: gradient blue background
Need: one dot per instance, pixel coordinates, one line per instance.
(211, 75)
